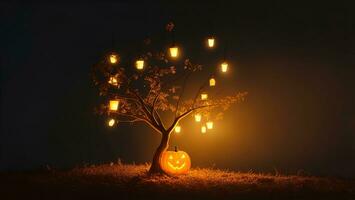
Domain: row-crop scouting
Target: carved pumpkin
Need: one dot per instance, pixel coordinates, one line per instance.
(175, 162)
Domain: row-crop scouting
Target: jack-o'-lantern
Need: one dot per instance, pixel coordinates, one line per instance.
(175, 162)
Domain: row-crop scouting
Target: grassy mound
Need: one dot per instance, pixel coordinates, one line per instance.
(118, 181)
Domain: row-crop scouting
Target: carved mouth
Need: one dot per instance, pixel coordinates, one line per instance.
(176, 168)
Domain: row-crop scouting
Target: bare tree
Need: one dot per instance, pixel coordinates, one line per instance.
(156, 85)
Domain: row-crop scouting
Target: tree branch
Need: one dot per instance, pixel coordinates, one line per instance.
(186, 114)
(154, 112)
(181, 93)
(149, 115)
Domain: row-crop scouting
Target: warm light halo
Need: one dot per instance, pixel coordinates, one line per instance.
(113, 58)
(140, 64)
(212, 82)
(204, 96)
(210, 42)
(224, 66)
(198, 117)
(113, 81)
(174, 51)
(203, 129)
(177, 129)
(111, 122)
(209, 124)
(114, 105)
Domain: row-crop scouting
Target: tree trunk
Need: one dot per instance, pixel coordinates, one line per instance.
(164, 144)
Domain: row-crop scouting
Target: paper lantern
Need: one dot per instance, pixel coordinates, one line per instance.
(224, 67)
(204, 96)
(175, 162)
(198, 117)
(212, 82)
(113, 58)
(209, 125)
(210, 42)
(177, 129)
(174, 51)
(140, 64)
(111, 122)
(114, 105)
(203, 129)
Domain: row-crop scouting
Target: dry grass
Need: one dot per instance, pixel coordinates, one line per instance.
(118, 181)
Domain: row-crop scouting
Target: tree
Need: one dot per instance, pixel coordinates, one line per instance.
(155, 86)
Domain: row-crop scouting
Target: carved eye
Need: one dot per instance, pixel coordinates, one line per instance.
(183, 156)
(170, 157)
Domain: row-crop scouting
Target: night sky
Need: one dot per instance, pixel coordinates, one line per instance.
(296, 60)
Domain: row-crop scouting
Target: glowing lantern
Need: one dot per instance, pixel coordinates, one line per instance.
(209, 125)
(210, 42)
(111, 122)
(203, 129)
(204, 96)
(113, 58)
(140, 64)
(175, 162)
(198, 117)
(224, 67)
(177, 129)
(174, 51)
(212, 82)
(113, 81)
(114, 105)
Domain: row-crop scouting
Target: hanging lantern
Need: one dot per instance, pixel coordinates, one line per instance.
(198, 117)
(224, 66)
(140, 64)
(212, 82)
(203, 129)
(113, 58)
(177, 129)
(114, 105)
(113, 81)
(210, 42)
(111, 122)
(209, 124)
(204, 96)
(174, 51)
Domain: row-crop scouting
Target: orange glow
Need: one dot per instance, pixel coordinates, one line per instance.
(175, 162)
(114, 105)
(113, 58)
(174, 51)
(203, 129)
(204, 96)
(224, 67)
(210, 42)
(212, 82)
(177, 129)
(209, 125)
(140, 64)
(113, 81)
(198, 117)
(111, 122)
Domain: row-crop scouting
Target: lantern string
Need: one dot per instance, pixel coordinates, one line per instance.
(225, 52)
(113, 40)
(173, 36)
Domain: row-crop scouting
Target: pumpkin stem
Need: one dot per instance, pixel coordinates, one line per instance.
(176, 149)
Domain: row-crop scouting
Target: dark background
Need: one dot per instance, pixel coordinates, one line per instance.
(296, 60)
